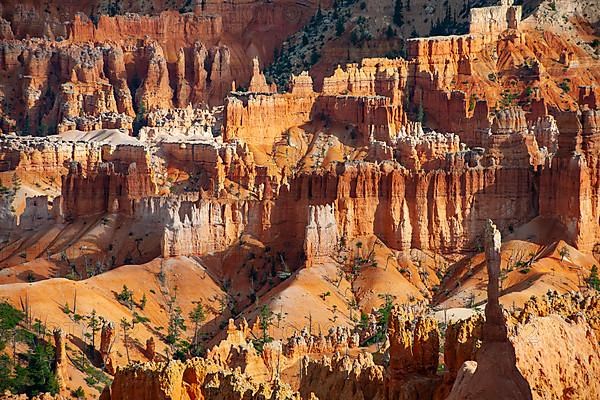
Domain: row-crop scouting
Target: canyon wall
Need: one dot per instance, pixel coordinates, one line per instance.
(570, 183)
(263, 119)
(130, 63)
(104, 86)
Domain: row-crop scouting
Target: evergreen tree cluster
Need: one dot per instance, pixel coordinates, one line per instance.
(302, 50)
(29, 372)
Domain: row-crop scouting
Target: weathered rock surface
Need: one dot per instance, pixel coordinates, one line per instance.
(376, 181)
(196, 378)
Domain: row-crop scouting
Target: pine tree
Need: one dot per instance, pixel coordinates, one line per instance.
(26, 126)
(10, 318)
(176, 322)
(390, 32)
(93, 323)
(125, 325)
(420, 114)
(140, 118)
(30, 372)
(398, 13)
(266, 320)
(6, 381)
(197, 316)
(563, 252)
(40, 377)
(143, 301)
(593, 280)
(126, 297)
(16, 182)
(318, 15)
(339, 27)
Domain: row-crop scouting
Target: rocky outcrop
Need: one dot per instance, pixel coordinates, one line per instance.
(491, 21)
(237, 351)
(558, 356)
(463, 339)
(111, 186)
(206, 226)
(155, 91)
(576, 164)
(195, 379)
(321, 237)
(181, 124)
(263, 119)
(301, 85)
(348, 378)
(366, 194)
(258, 82)
(413, 357)
(6, 32)
(169, 26)
(107, 339)
(47, 157)
(567, 306)
(150, 349)
(60, 358)
(417, 150)
(249, 29)
(37, 213)
(104, 86)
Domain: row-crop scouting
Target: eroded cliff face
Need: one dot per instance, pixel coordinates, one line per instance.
(426, 198)
(435, 210)
(194, 379)
(86, 86)
(328, 201)
(576, 164)
(92, 71)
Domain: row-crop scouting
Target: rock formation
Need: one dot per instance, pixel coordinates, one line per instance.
(107, 334)
(258, 82)
(496, 374)
(348, 378)
(60, 358)
(195, 378)
(150, 349)
(152, 146)
(553, 353)
(413, 357)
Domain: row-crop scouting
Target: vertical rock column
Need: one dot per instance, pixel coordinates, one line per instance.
(494, 328)
(496, 375)
(60, 358)
(150, 350)
(106, 340)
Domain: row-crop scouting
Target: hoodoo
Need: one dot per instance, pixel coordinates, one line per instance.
(293, 199)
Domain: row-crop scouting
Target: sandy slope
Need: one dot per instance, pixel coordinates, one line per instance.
(528, 269)
(182, 277)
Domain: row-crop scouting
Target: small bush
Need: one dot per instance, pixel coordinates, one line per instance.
(78, 393)
(564, 85)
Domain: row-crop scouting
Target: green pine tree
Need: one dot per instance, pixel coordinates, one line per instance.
(594, 280)
(398, 13)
